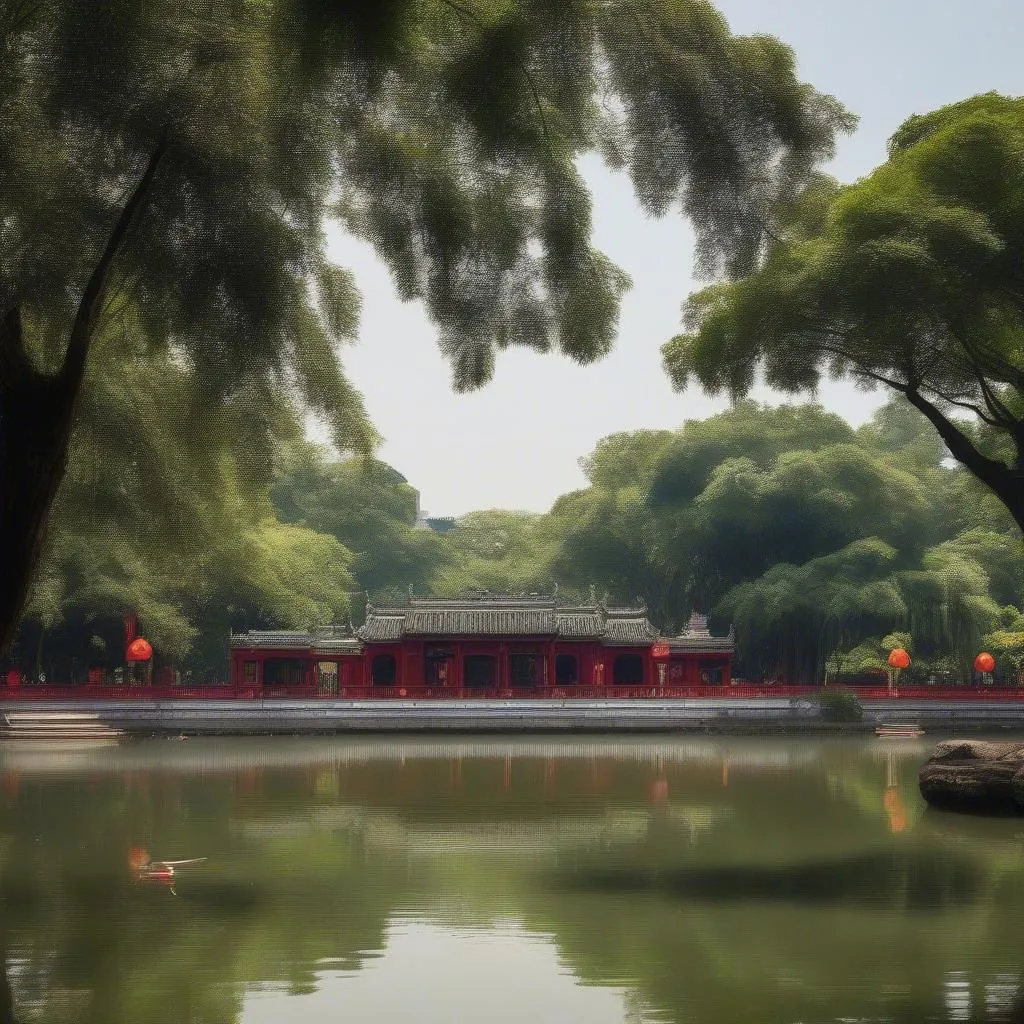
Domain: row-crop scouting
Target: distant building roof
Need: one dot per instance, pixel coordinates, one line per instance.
(697, 638)
(441, 524)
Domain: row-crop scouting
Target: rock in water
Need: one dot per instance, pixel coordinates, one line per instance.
(975, 775)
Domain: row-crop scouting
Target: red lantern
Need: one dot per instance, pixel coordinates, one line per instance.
(659, 651)
(899, 658)
(139, 650)
(984, 662)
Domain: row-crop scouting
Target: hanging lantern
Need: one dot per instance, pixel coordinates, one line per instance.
(660, 651)
(984, 662)
(899, 658)
(139, 650)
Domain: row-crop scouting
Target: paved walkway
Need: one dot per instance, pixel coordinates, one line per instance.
(653, 715)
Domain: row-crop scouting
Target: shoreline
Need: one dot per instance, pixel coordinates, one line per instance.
(713, 716)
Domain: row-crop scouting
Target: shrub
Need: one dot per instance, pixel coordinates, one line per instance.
(839, 705)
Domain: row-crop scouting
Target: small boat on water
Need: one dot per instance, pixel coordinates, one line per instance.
(162, 871)
(900, 730)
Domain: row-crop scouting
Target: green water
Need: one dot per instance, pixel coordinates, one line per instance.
(681, 880)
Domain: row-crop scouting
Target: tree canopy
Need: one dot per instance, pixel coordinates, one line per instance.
(185, 158)
(910, 279)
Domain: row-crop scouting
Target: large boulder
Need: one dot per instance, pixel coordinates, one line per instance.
(975, 775)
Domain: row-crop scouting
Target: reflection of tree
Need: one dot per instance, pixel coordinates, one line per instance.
(784, 890)
(6, 998)
(266, 911)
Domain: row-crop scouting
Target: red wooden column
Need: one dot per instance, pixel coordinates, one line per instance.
(458, 679)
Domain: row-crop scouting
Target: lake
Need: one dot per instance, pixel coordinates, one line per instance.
(673, 879)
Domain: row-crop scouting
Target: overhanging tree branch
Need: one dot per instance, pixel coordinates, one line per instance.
(91, 304)
(990, 471)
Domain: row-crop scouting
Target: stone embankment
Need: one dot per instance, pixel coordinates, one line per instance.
(975, 775)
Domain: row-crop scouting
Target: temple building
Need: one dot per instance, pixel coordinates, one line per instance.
(485, 645)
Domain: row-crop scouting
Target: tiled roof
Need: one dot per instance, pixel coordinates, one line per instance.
(272, 638)
(382, 626)
(498, 620)
(488, 616)
(580, 623)
(628, 626)
(330, 639)
(506, 616)
(337, 645)
(697, 638)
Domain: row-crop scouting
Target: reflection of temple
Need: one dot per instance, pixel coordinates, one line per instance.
(519, 646)
(235, 753)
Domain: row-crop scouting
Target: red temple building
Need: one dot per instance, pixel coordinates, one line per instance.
(485, 646)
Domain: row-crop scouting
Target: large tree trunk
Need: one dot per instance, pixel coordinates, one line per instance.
(1005, 482)
(36, 416)
(35, 431)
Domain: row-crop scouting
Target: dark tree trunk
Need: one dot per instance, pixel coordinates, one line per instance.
(1005, 482)
(36, 415)
(35, 430)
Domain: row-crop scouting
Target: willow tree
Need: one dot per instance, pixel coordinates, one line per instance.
(187, 154)
(910, 279)
(164, 510)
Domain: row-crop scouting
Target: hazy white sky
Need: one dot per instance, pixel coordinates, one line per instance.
(516, 443)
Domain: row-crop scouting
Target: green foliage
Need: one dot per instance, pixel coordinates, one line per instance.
(456, 125)
(839, 705)
(185, 163)
(908, 278)
(369, 508)
(825, 547)
(503, 552)
(164, 512)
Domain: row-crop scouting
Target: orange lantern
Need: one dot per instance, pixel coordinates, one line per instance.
(899, 658)
(139, 650)
(984, 662)
(659, 651)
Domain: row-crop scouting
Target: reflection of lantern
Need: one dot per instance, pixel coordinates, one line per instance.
(140, 650)
(895, 809)
(659, 651)
(137, 858)
(899, 658)
(984, 662)
(659, 791)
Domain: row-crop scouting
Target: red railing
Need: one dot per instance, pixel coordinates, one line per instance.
(742, 691)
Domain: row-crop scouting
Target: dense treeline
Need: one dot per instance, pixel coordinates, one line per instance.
(815, 539)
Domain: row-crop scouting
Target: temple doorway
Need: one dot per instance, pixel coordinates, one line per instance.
(525, 670)
(479, 671)
(438, 666)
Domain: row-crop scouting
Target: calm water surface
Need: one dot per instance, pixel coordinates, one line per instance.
(671, 880)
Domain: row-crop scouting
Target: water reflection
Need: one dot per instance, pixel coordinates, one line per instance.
(653, 880)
